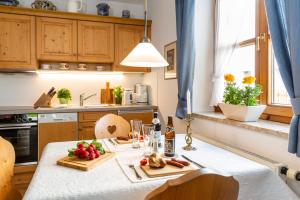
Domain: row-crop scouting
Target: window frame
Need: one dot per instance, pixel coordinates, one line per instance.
(273, 112)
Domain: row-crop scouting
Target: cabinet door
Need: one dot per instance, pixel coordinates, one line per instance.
(126, 38)
(87, 122)
(22, 177)
(56, 39)
(145, 115)
(95, 42)
(17, 42)
(56, 132)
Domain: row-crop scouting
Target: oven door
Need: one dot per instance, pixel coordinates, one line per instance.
(24, 138)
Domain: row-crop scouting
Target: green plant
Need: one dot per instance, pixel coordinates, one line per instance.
(118, 91)
(246, 95)
(64, 94)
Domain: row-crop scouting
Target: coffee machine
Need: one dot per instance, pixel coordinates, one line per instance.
(141, 93)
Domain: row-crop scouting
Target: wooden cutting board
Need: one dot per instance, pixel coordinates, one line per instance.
(84, 165)
(168, 170)
(123, 141)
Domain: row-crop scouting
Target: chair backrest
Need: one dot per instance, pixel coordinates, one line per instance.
(111, 125)
(197, 185)
(7, 161)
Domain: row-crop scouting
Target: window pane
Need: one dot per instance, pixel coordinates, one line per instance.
(249, 18)
(242, 63)
(279, 93)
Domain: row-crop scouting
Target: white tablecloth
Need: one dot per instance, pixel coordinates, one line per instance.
(108, 181)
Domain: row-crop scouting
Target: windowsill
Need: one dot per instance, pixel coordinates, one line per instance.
(262, 126)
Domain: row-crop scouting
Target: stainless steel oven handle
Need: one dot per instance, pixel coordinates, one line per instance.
(16, 127)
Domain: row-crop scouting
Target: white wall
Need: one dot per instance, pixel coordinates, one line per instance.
(136, 7)
(24, 89)
(165, 92)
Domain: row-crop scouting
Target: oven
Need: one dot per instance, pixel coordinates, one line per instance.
(22, 132)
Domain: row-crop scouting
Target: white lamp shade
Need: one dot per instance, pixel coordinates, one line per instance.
(144, 55)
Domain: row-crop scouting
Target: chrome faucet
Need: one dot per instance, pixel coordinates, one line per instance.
(82, 98)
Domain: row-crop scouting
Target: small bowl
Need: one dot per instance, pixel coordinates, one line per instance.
(45, 66)
(100, 68)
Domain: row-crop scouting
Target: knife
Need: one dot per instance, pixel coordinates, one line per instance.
(195, 163)
(111, 141)
(52, 94)
(51, 90)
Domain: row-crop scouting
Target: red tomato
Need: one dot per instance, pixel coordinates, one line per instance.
(144, 162)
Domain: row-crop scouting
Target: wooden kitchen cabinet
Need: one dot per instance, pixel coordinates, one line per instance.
(17, 42)
(126, 38)
(145, 115)
(95, 42)
(87, 122)
(56, 132)
(22, 177)
(56, 39)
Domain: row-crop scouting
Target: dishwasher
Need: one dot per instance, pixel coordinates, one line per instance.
(56, 127)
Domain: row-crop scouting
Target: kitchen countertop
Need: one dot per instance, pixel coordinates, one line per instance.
(29, 109)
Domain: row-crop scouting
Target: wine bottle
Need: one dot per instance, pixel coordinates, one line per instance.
(157, 128)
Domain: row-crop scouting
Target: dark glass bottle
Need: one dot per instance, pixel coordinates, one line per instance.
(157, 128)
(170, 138)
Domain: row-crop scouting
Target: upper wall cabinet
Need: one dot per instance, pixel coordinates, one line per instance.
(95, 42)
(17, 42)
(126, 38)
(56, 39)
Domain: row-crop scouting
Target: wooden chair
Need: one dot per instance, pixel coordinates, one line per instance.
(110, 126)
(197, 185)
(7, 161)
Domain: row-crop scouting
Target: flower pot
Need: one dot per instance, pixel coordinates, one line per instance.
(64, 101)
(242, 113)
(118, 100)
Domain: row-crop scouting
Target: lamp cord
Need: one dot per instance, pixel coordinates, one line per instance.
(145, 18)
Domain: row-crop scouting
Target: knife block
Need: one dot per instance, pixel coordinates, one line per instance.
(43, 102)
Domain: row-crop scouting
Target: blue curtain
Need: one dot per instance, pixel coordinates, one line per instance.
(185, 10)
(283, 19)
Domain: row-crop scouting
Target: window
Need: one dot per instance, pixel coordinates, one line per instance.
(254, 56)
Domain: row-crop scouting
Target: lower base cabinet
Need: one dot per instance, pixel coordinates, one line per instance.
(56, 132)
(22, 177)
(87, 122)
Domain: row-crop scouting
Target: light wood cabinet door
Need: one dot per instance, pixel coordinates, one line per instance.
(56, 39)
(145, 116)
(56, 132)
(22, 177)
(87, 122)
(95, 42)
(126, 38)
(17, 42)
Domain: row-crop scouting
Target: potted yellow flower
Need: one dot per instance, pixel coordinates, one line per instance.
(240, 103)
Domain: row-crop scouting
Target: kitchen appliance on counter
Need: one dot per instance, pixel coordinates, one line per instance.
(127, 97)
(141, 94)
(22, 132)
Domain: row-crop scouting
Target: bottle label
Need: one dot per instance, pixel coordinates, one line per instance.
(169, 146)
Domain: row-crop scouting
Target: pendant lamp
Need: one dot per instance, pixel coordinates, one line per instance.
(144, 54)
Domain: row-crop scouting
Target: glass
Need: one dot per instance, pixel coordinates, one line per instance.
(238, 17)
(279, 93)
(148, 134)
(136, 126)
(242, 63)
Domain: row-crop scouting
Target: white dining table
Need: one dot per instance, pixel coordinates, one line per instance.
(109, 182)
